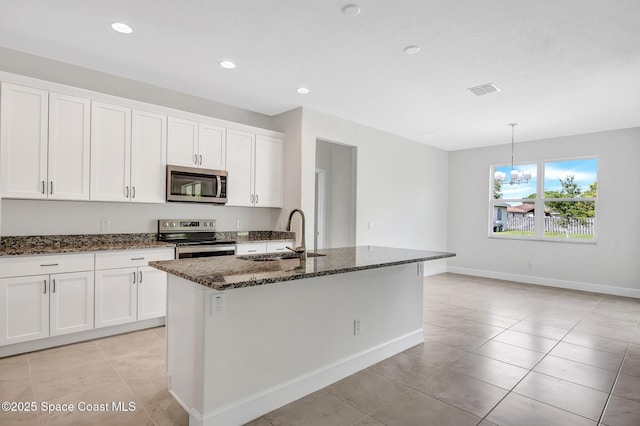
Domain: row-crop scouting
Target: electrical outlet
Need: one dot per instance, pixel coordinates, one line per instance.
(238, 224)
(530, 265)
(357, 327)
(105, 225)
(217, 304)
(372, 224)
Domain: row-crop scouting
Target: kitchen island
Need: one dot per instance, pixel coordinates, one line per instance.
(248, 334)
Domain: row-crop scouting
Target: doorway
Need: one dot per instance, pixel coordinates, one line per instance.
(335, 195)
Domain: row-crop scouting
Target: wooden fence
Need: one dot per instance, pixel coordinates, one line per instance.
(553, 224)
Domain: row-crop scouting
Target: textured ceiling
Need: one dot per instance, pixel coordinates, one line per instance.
(564, 66)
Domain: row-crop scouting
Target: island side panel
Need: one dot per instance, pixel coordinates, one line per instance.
(275, 343)
(185, 343)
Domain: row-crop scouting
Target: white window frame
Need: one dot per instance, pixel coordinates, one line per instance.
(539, 203)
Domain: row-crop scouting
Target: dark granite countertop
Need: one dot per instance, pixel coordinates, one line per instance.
(52, 244)
(228, 272)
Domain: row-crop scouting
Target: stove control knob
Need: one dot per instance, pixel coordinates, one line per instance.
(172, 224)
(206, 224)
(210, 223)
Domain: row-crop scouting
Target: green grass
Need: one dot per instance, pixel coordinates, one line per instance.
(547, 234)
(519, 233)
(563, 235)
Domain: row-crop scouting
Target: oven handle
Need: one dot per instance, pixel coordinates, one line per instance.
(201, 249)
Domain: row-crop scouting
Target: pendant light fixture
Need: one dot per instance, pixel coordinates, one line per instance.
(516, 176)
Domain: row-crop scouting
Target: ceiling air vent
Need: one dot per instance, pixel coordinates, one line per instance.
(484, 89)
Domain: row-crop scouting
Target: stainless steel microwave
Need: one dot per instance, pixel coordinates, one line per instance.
(189, 184)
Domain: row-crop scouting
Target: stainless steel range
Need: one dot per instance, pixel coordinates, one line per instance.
(194, 238)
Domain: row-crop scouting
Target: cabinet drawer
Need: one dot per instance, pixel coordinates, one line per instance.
(16, 266)
(131, 258)
(251, 248)
(276, 247)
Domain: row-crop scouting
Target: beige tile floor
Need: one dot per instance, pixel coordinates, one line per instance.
(495, 353)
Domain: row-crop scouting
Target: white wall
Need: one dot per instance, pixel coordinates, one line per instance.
(36, 217)
(28, 217)
(340, 168)
(401, 184)
(611, 265)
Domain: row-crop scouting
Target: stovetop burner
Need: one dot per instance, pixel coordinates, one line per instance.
(183, 232)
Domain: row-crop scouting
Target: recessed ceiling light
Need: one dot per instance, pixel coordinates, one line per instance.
(302, 90)
(122, 28)
(351, 10)
(411, 50)
(228, 65)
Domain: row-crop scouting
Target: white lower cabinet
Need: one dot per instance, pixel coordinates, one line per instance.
(37, 306)
(128, 291)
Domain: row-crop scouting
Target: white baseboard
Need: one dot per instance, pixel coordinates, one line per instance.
(441, 269)
(551, 282)
(66, 339)
(256, 405)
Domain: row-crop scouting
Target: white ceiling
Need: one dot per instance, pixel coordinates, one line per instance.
(564, 66)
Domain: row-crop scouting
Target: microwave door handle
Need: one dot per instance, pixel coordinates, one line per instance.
(219, 179)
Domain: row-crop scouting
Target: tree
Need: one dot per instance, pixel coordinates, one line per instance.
(571, 211)
(497, 189)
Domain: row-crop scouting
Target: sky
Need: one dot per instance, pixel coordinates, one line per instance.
(585, 172)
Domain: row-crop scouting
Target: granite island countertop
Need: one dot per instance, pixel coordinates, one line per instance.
(229, 272)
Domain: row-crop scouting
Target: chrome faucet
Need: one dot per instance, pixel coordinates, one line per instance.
(302, 249)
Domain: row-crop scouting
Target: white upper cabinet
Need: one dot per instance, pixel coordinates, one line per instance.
(128, 154)
(193, 144)
(148, 157)
(268, 172)
(182, 142)
(240, 168)
(44, 144)
(254, 164)
(69, 147)
(211, 146)
(110, 152)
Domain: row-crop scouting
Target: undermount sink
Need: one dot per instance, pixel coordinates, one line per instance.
(277, 256)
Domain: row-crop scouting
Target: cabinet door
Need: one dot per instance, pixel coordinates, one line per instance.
(240, 168)
(115, 296)
(23, 141)
(182, 142)
(211, 146)
(268, 172)
(110, 152)
(69, 147)
(148, 157)
(152, 293)
(24, 309)
(251, 248)
(71, 303)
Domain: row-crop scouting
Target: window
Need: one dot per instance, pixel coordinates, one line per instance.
(548, 200)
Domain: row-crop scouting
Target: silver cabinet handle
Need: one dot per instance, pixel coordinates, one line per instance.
(137, 258)
(201, 159)
(133, 192)
(195, 158)
(127, 196)
(48, 264)
(256, 198)
(252, 251)
(43, 190)
(140, 277)
(51, 187)
(134, 278)
(45, 286)
(251, 198)
(54, 287)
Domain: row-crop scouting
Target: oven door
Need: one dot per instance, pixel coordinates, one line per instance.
(196, 185)
(204, 250)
